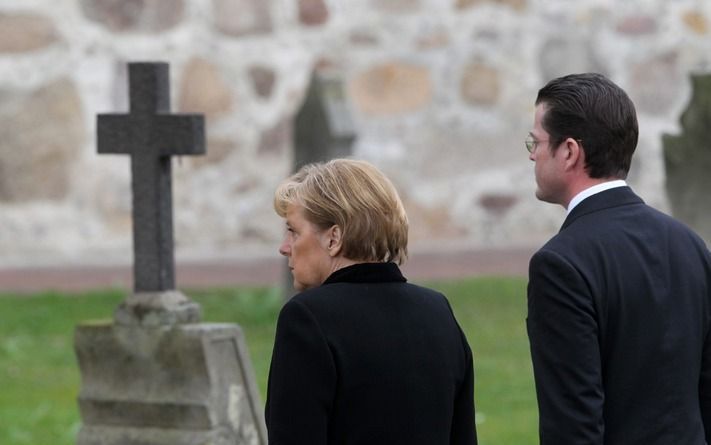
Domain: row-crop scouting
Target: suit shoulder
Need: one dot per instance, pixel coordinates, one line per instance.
(416, 288)
(430, 294)
(331, 294)
(677, 224)
(631, 225)
(317, 295)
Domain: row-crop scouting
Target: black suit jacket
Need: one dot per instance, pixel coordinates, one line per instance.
(619, 312)
(369, 359)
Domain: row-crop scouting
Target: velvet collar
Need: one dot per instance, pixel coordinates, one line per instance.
(367, 273)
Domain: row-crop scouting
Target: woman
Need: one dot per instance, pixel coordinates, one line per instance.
(361, 356)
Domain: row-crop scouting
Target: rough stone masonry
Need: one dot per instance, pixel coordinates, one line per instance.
(442, 95)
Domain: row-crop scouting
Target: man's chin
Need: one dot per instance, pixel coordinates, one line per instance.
(543, 197)
(540, 196)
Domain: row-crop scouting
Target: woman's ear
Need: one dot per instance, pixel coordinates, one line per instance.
(334, 240)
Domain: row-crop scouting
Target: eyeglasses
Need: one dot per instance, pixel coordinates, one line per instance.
(531, 143)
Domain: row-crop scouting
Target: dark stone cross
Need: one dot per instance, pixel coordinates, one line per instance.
(155, 375)
(323, 127)
(151, 135)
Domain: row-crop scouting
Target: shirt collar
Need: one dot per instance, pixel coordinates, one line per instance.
(595, 189)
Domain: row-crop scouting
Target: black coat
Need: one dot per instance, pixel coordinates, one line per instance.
(619, 316)
(367, 358)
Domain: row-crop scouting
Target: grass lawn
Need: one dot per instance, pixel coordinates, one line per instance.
(40, 380)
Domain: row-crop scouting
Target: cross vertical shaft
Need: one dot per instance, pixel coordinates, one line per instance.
(153, 264)
(151, 135)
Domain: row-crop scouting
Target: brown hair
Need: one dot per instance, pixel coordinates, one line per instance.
(358, 198)
(590, 108)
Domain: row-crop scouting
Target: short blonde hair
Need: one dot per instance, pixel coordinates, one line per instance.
(358, 198)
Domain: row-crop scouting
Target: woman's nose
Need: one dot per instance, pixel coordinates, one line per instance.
(285, 248)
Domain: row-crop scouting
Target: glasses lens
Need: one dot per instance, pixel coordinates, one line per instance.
(529, 144)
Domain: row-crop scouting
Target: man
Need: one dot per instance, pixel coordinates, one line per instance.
(619, 301)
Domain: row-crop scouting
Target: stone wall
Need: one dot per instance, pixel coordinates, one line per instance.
(441, 90)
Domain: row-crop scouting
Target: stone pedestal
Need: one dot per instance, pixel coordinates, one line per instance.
(180, 384)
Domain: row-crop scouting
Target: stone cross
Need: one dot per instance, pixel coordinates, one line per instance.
(151, 135)
(323, 127)
(155, 375)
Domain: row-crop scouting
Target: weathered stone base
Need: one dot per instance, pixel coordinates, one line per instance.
(106, 435)
(189, 384)
(151, 309)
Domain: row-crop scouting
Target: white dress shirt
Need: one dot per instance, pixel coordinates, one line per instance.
(595, 189)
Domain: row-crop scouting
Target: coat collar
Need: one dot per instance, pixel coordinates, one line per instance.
(367, 273)
(615, 197)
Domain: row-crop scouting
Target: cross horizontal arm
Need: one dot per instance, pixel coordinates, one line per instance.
(179, 134)
(155, 135)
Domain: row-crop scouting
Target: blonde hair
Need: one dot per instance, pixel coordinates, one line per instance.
(358, 198)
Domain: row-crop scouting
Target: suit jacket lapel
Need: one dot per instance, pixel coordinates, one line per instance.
(615, 197)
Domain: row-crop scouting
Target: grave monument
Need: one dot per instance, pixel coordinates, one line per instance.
(155, 375)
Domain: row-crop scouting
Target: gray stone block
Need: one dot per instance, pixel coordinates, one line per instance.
(186, 384)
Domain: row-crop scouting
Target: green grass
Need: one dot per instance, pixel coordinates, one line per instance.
(39, 379)
(492, 313)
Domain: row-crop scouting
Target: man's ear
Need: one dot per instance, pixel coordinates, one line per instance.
(334, 240)
(574, 154)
